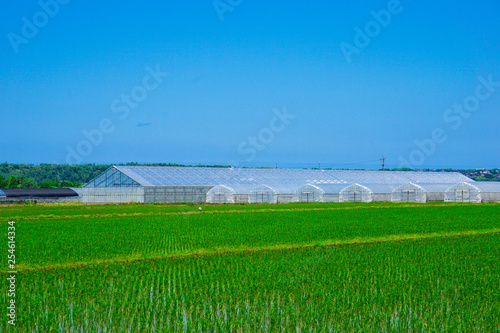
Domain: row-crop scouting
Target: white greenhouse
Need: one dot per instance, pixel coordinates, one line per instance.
(228, 194)
(409, 193)
(381, 192)
(263, 194)
(308, 193)
(462, 192)
(489, 191)
(331, 192)
(221, 194)
(473, 192)
(356, 193)
(232, 185)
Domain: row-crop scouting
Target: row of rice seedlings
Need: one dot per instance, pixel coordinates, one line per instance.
(90, 240)
(49, 211)
(441, 284)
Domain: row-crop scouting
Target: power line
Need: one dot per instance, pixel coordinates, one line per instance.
(351, 163)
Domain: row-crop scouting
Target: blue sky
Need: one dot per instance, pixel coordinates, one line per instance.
(251, 83)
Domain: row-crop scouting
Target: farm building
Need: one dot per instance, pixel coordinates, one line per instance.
(232, 185)
(40, 194)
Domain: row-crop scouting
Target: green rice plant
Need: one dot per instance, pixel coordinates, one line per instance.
(92, 240)
(77, 210)
(437, 284)
(320, 267)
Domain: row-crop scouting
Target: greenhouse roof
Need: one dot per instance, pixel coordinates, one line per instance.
(134, 176)
(381, 188)
(486, 186)
(278, 188)
(331, 188)
(437, 187)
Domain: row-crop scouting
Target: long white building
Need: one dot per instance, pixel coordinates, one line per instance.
(232, 185)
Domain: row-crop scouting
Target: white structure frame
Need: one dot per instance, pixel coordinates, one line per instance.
(463, 192)
(221, 194)
(308, 193)
(409, 193)
(356, 193)
(263, 194)
(231, 185)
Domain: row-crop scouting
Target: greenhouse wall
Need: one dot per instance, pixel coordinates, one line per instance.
(490, 196)
(285, 198)
(241, 198)
(330, 197)
(176, 193)
(462, 192)
(220, 194)
(409, 193)
(356, 193)
(263, 194)
(308, 193)
(112, 194)
(490, 191)
(435, 196)
(381, 197)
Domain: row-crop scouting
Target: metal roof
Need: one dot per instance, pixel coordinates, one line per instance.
(38, 192)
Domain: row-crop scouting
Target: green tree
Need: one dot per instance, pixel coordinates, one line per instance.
(13, 182)
(66, 184)
(27, 182)
(50, 184)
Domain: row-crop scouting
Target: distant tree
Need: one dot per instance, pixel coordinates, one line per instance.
(66, 184)
(3, 182)
(13, 182)
(4, 168)
(27, 182)
(50, 184)
(479, 179)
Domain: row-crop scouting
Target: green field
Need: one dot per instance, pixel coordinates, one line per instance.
(300, 267)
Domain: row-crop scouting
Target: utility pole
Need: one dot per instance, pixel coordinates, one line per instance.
(383, 162)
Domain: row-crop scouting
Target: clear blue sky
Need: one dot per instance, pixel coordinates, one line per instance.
(232, 67)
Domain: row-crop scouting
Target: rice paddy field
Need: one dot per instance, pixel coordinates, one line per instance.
(381, 267)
